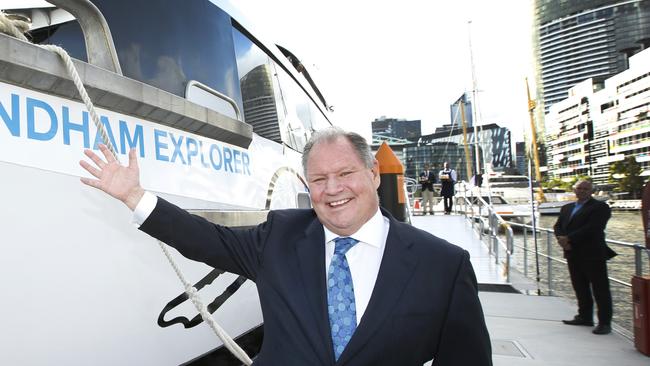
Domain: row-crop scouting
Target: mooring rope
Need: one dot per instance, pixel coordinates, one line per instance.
(16, 27)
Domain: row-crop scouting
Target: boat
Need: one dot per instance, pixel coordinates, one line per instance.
(514, 188)
(512, 212)
(625, 205)
(552, 207)
(218, 117)
(554, 200)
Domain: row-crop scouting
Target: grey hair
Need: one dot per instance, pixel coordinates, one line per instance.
(331, 134)
(580, 181)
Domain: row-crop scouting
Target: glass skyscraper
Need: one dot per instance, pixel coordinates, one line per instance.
(575, 40)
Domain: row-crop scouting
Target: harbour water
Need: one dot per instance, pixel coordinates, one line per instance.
(623, 226)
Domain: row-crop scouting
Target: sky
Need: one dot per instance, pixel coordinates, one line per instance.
(408, 59)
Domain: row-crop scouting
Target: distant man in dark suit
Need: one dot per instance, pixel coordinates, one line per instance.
(340, 284)
(447, 181)
(427, 179)
(580, 231)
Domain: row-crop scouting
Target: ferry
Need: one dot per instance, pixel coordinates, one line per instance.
(218, 116)
(514, 188)
(517, 213)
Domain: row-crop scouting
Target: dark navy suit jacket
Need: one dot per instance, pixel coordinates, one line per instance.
(427, 180)
(586, 230)
(424, 304)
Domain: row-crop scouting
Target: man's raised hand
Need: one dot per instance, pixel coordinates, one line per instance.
(121, 182)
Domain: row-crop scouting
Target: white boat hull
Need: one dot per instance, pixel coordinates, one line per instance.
(83, 286)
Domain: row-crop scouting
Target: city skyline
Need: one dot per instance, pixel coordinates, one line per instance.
(411, 60)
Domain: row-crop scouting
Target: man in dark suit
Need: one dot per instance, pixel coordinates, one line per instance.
(447, 181)
(340, 284)
(427, 179)
(580, 230)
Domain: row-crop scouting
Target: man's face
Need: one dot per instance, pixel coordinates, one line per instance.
(582, 191)
(343, 190)
(446, 165)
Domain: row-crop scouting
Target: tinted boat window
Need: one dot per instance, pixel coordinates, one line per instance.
(68, 35)
(298, 125)
(259, 96)
(168, 43)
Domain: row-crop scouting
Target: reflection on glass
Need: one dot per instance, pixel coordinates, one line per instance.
(257, 88)
(259, 102)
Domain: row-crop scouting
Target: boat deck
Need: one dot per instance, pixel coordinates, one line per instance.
(526, 329)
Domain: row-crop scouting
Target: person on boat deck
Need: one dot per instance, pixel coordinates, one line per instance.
(427, 179)
(343, 283)
(580, 231)
(447, 180)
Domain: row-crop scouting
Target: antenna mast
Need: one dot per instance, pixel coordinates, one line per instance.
(468, 157)
(533, 136)
(474, 100)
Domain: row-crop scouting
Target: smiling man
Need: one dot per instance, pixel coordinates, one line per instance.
(340, 284)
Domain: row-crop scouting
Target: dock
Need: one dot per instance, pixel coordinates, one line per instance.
(528, 329)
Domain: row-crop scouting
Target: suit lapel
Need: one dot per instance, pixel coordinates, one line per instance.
(311, 258)
(585, 208)
(397, 266)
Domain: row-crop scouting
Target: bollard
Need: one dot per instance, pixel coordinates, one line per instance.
(391, 187)
(641, 312)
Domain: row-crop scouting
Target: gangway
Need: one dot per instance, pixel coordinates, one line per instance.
(524, 329)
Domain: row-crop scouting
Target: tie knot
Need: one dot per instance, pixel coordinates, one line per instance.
(342, 245)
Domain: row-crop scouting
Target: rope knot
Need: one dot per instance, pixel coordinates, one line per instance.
(14, 25)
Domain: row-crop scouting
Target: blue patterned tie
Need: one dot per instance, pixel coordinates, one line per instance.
(340, 296)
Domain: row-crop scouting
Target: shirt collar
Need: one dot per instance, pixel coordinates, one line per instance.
(370, 233)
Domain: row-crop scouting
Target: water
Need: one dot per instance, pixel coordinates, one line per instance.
(623, 226)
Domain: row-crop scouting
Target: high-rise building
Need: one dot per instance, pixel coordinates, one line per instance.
(575, 40)
(434, 154)
(601, 123)
(392, 129)
(522, 159)
(456, 113)
(449, 145)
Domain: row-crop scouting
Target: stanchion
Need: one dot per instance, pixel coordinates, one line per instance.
(391, 187)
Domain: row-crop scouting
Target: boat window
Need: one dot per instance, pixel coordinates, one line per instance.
(508, 179)
(166, 45)
(67, 35)
(298, 115)
(275, 104)
(255, 71)
(318, 120)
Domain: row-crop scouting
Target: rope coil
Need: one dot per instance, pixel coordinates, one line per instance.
(16, 25)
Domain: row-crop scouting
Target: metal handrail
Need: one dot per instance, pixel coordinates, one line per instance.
(495, 222)
(638, 252)
(199, 85)
(409, 183)
(100, 47)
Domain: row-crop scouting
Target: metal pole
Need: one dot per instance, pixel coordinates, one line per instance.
(495, 241)
(539, 291)
(638, 260)
(549, 263)
(474, 101)
(511, 246)
(525, 252)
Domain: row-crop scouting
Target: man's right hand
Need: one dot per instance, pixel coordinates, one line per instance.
(564, 242)
(118, 181)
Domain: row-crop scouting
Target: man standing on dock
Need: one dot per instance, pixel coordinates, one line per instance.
(580, 231)
(343, 283)
(447, 180)
(427, 179)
